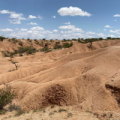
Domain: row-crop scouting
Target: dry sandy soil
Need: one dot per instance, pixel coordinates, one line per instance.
(75, 78)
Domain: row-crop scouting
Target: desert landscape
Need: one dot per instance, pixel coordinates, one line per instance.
(61, 79)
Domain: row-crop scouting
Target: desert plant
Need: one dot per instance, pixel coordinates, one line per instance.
(14, 40)
(20, 112)
(52, 106)
(69, 115)
(5, 54)
(13, 107)
(58, 47)
(108, 38)
(45, 49)
(2, 38)
(20, 43)
(57, 43)
(6, 96)
(61, 110)
(16, 66)
(67, 45)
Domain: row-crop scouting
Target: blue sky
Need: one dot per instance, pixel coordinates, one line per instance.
(59, 19)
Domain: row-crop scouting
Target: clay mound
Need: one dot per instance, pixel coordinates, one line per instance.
(79, 78)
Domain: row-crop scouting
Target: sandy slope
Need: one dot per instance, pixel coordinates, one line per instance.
(77, 76)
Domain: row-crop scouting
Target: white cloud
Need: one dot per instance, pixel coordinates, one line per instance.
(104, 29)
(90, 33)
(115, 20)
(37, 28)
(5, 12)
(68, 23)
(111, 36)
(54, 16)
(77, 30)
(71, 27)
(16, 17)
(107, 26)
(6, 30)
(23, 29)
(117, 15)
(101, 35)
(32, 23)
(115, 31)
(32, 17)
(73, 11)
(40, 17)
(67, 27)
(55, 30)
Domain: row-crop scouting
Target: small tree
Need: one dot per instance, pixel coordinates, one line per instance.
(2, 38)
(6, 96)
(16, 66)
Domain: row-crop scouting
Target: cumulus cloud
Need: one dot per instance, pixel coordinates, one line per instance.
(68, 23)
(5, 12)
(115, 20)
(117, 15)
(101, 35)
(71, 27)
(55, 30)
(67, 27)
(73, 11)
(111, 36)
(23, 29)
(54, 16)
(6, 30)
(90, 33)
(32, 17)
(16, 17)
(40, 17)
(32, 23)
(37, 28)
(107, 26)
(115, 31)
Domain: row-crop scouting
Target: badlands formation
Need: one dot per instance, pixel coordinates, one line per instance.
(78, 77)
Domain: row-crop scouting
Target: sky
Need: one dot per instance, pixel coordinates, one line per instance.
(59, 19)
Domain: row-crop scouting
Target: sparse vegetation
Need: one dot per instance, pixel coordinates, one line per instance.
(2, 38)
(58, 47)
(67, 45)
(20, 112)
(2, 112)
(61, 110)
(6, 96)
(52, 106)
(20, 43)
(69, 115)
(89, 111)
(13, 107)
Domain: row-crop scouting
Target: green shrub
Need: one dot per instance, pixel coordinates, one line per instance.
(20, 43)
(67, 45)
(6, 96)
(28, 50)
(13, 107)
(52, 106)
(58, 47)
(2, 38)
(20, 112)
(14, 40)
(57, 43)
(6, 54)
(45, 49)
(69, 115)
(61, 110)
